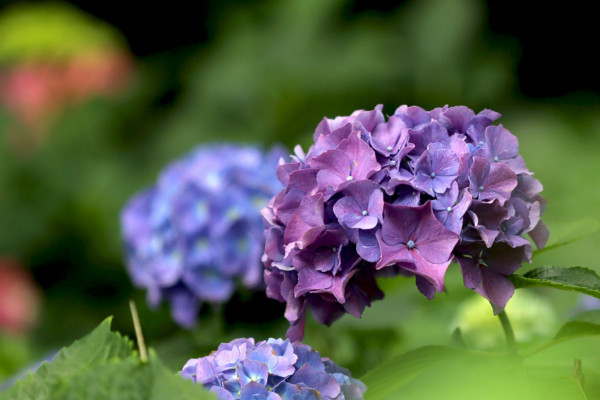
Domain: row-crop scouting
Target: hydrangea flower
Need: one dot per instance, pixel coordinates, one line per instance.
(406, 195)
(198, 230)
(274, 369)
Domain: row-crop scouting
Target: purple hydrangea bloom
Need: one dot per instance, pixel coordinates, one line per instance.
(274, 369)
(407, 195)
(198, 230)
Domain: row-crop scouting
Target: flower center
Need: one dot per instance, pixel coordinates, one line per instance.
(481, 188)
(334, 249)
(496, 158)
(410, 244)
(449, 209)
(365, 212)
(432, 174)
(393, 162)
(349, 178)
(389, 148)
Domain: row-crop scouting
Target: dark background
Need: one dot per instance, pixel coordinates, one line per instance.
(558, 42)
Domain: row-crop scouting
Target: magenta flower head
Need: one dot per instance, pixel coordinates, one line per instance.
(406, 195)
(198, 231)
(274, 369)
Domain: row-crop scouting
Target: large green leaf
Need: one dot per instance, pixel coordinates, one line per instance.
(102, 366)
(388, 378)
(95, 349)
(576, 279)
(439, 372)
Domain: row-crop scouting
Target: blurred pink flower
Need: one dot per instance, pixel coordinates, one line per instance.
(19, 298)
(35, 92)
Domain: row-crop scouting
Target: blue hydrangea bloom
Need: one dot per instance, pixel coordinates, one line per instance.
(198, 231)
(274, 369)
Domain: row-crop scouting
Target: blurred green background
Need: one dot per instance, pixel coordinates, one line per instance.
(266, 72)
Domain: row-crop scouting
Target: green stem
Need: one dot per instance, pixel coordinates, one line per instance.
(511, 343)
(138, 332)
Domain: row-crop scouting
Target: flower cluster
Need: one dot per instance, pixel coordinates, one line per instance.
(198, 230)
(402, 196)
(274, 369)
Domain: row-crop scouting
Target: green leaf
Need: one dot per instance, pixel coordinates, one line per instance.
(586, 323)
(389, 377)
(166, 384)
(583, 324)
(576, 279)
(573, 232)
(97, 348)
(102, 366)
(439, 372)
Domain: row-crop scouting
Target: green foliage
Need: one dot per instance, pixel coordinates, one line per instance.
(103, 365)
(276, 62)
(51, 31)
(586, 323)
(14, 353)
(575, 231)
(385, 381)
(440, 372)
(576, 279)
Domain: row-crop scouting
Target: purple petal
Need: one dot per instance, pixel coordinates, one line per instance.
(399, 223)
(368, 246)
(501, 142)
(455, 119)
(430, 133)
(497, 288)
(252, 371)
(432, 272)
(471, 272)
(328, 142)
(321, 381)
(364, 161)
(489, 182)
(540, 234)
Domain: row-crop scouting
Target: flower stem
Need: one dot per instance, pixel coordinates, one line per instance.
(511, 343)
(138, 332)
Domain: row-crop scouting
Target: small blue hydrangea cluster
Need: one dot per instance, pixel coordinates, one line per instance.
(274, 369)
(195, 232)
